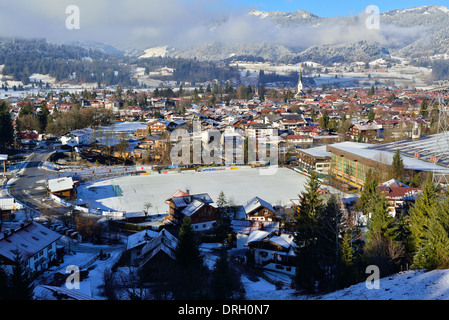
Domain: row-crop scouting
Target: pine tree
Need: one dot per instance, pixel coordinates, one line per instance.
(347, 267)
(371, 114)
(434, 249)
(190, 273)
(381, 223)
(4, 288)
(423, 108)
(187, 252)
(224, 281)
(381, 246)
(222, 227)
(420, 213)
(6, 127)
(398, 166)
(329, 229)
(20, 281)
(308, 271)
(370, 190)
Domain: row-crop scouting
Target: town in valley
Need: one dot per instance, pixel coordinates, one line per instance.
(158, 177)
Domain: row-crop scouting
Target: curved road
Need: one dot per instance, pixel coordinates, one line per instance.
(29, 188)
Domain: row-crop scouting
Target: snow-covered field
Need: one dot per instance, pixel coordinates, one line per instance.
(238, 185)
(155, 52)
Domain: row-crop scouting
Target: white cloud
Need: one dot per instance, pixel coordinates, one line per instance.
(143, 24)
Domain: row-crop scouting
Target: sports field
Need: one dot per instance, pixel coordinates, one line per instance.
(130, 193)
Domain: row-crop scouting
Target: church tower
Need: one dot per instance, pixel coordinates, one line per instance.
(300, 87)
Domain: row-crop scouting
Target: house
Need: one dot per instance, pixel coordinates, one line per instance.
(62, 187)
(259, 210)
(399, 196)
(159, 126)
(134, 245)
(273, 251)
(364, 131)
(259, 130)
(197, 207)
(317, 159)
(299, 140)
(163, 125)
(157, 255)
(35, 243)
(241, 229)
(7, 205)
(78, 137)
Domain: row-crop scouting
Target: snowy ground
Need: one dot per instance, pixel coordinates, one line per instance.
(239, 185)
(410, 285)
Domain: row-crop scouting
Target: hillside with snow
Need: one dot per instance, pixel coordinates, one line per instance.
(409, 285)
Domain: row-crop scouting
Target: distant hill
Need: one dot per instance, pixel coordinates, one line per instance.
(415, 33)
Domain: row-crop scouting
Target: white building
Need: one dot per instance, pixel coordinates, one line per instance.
(36, 244)
(78, 137)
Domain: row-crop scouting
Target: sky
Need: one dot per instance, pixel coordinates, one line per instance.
(131, 24)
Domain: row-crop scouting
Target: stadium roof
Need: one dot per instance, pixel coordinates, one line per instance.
(385, 155)
(424, 148)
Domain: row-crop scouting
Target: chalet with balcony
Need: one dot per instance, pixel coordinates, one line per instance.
(197, 207)
(273, 251)
(259, 210)
(399, 196)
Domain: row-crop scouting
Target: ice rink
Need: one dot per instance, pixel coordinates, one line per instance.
(130, 193)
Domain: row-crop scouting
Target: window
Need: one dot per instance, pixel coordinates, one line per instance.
(263, 254)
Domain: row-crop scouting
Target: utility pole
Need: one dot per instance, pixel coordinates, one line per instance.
(440, 173)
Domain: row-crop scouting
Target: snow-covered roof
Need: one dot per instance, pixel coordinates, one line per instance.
(44, 292)
(256, 203)
(317, 152)
(247, 226)
(285, 240)
(29, 240)
(257, 235)
(139, 238)
(60, 184)
(164, 241)
(373, 152)
(7, 204)
(393, 183)
(193, 207)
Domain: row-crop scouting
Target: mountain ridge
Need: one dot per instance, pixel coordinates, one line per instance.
(413, 33)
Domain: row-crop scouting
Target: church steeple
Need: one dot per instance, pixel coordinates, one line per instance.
(300, 86)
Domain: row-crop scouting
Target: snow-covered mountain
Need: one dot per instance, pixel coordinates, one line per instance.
(288, 19)
(420, 32)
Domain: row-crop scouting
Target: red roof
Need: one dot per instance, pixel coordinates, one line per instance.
(394, 192)
(178, 194)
